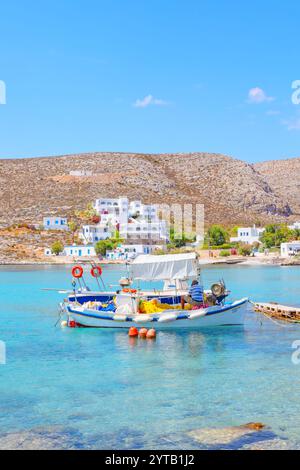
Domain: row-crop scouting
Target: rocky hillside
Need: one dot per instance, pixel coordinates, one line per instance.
(284, 177)
(24, 244)
(231, 190)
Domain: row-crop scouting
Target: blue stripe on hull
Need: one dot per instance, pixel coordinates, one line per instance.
(107, 298)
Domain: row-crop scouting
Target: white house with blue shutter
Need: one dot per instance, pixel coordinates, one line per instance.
(94, 233)
(248, 235)
(78, 251)
(55, 223)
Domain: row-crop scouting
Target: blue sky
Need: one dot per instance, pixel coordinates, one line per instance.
(150, 76)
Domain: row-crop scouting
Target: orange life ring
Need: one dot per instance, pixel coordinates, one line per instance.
(77, 272)
(96, 271)
(130, 291)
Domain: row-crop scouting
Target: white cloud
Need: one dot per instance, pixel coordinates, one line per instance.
(147, 101)
(292, 124)
(257, 95)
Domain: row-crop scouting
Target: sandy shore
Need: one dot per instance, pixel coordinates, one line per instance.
(232, 260)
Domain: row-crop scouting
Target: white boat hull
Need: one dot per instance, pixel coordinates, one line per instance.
(230, 314)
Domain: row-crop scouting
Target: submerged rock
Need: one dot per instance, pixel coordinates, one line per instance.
(232, 436)
(269, 444)
(41, 439)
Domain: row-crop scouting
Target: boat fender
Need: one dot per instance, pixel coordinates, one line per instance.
(167, 317)
(120, 317)
(141, 318)
(64, 323)
(198, 314)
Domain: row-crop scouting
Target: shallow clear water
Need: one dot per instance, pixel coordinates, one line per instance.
(104, 391)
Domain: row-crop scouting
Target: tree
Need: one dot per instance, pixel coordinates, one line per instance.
(116, 239)
(73, 226)
(57, 248)
(296, 234)
(103, 245)
(275, 234)
(180, 240)
(217, 235)
(234, 231)
(87, 214)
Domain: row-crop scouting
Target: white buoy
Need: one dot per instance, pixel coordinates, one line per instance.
(64, 323)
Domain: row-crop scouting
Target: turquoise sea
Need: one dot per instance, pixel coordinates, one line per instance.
(96, 389)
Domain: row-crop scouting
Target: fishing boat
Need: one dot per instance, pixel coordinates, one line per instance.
(162, 309)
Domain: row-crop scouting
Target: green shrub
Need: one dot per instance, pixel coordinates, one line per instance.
(159, 251)
(224, 253)
(217, 235)
(245, 250)
(57, 248)
(104, 245)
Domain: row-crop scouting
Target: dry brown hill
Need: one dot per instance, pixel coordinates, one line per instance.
(284, 177)
(231, 190)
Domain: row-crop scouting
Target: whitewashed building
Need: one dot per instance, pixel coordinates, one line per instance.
(295, 226)
(78, 251)
(94, 233)
(127, 252)
(134, 220)
(289, 249)
(81, 173)
(122, 209)
(248, 235)
(55, 223)
(143, 230)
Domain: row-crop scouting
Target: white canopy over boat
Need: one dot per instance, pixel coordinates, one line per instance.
(162, 267)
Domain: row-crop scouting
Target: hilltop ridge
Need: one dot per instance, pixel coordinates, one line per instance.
(284, 177)
(232, 191)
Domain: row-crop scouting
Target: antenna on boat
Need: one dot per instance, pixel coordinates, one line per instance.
(74, 288)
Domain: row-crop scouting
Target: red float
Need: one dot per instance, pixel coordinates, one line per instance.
(143, 332)
(133, 331)
(151, 334)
